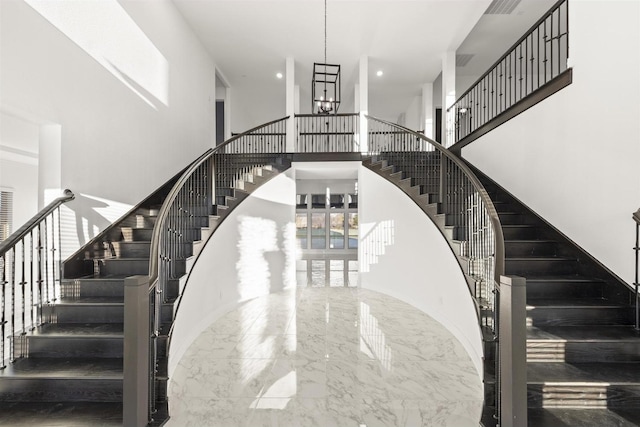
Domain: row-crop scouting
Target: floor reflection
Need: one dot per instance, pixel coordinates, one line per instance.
(325, 356)
(318, 273)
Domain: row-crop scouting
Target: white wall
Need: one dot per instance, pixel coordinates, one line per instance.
(21, 179)
(19, 166)
(251, 254)
(124, 132)
(575, 157)
(403, 254)
(412, 114)
(18, 134)
(463, 83)
(252, 105)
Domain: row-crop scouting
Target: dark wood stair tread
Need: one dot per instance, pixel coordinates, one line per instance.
(563, 278)
(58, 368)
(592, 333)
(80, 330)
(61, 414)
(113, 277)
(104, 300)
(548, 373)
(572, 303)
(118, 300)
(529, 240)
(595, 417)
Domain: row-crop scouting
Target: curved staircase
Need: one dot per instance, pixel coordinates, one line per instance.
(583, 353)
(69, 370)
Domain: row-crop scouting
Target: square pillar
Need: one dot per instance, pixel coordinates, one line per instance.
(290, 107)
(363, 85)
(427, 110)
(448, 96)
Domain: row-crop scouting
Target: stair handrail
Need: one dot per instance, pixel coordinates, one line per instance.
(21, 232)
(491, 210)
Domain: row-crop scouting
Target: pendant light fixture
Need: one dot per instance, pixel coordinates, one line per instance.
(325, 84)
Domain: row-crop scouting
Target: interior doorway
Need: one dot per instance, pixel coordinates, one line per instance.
(222, 114)
(327, 232)
(219, 121)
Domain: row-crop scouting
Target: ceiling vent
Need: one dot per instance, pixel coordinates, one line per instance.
(462, 59)
(502, 7)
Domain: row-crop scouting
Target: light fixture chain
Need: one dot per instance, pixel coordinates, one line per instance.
(325, 31)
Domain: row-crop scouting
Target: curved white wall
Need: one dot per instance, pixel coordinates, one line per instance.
(251, 254)
(403, 254)
(574, 157)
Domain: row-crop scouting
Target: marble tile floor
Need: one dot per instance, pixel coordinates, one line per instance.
(325, 357)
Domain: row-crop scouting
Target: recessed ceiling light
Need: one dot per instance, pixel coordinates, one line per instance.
(279, 75)
(379, 73)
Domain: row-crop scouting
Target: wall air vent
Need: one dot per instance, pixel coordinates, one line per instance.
(502, 7)
(462, 59)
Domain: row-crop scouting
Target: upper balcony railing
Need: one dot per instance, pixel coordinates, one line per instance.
(327, 133)
(537, 58)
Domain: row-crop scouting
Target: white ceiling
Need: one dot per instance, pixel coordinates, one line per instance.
(250, 40)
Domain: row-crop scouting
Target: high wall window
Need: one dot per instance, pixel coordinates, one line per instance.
(6, 214)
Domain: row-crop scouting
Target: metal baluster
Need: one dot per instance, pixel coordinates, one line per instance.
(637, 282)
(526, 66)
(31, 281)
(13, 304)
(559, 39)
(545, 51)
(3, 321)
(46, 260)
(60, 274)
(53, 256)
(23, 282)
(538, 55)
(566, 39)
(551, 42)
(514, 90)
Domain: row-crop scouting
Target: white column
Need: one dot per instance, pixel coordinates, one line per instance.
(296, 101)
(427, 110)
(49, 164)
(363, 104)
(291, 104)
(213, 101)
(448, 95)
(227, 113)
(356, 98)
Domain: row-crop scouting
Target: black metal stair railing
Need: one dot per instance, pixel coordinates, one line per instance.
(187, 208)
(30, 272)
(534, 60)
(469, 212)
(327, 133)
(268, 138)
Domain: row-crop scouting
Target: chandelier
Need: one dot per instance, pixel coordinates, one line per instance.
(325, 84)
